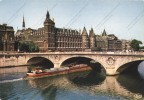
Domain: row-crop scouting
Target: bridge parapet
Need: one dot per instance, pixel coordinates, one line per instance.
(111, 61)
(112, 53)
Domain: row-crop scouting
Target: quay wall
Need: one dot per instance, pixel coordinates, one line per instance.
(16, 69)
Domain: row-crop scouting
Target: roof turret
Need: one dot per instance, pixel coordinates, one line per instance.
(91, 32)
(104, 33)
(84, 32)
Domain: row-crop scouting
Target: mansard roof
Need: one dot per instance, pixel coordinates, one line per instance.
(4, 27)
(67, 31)
(112, 36)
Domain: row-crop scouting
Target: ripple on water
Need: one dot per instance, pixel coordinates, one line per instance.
(64, 87)
(11, 76)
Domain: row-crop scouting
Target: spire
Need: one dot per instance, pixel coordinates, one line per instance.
(48, 20)
(104, 33)
(47, 15)
(23, 25)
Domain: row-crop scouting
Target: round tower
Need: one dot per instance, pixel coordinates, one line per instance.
(49, 28)
(85, 39)
(92, 39)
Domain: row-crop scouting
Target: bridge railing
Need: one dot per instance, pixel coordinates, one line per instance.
(113, 53)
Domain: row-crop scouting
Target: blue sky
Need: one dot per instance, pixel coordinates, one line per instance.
(124, 18)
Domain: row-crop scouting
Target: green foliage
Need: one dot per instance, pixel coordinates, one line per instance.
(135, 44)
(28, 46)
(142, 47)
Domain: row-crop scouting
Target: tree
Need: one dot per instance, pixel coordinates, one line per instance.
(28, 46)
(135, 44)
(33, 47)
(142, 47)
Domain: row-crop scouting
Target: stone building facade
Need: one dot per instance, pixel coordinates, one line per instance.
(108, 42)
(7, 40)
(50, 38)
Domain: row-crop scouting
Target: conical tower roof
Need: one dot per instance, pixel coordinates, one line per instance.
(48, 20)
(84, 32)
(91, 32)
(104, 33)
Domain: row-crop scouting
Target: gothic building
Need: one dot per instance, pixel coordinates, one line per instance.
(108, 42)
(50, 38)
(6, 38)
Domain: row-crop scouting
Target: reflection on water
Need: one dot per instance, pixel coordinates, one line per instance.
(132, 83)
(86, 85)
(87, 78)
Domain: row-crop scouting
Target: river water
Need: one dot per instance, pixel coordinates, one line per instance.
(87, 85)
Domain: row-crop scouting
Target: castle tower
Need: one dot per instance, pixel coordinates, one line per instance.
(92, 39)
(49, 27)
(105, 40)
(85, 39)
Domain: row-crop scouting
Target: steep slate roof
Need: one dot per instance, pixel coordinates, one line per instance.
(48, 20)
(84, 32)
(104, 33)
(92, 32)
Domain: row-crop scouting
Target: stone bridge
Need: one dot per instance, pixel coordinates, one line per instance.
(112, 62)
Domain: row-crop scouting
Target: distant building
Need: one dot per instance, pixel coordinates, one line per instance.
(108, 42)
(6, 38)
(50, 38)
(126, 45)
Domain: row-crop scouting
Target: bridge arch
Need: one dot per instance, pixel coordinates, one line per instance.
(41, 62)
(81, 60)
(129, 65)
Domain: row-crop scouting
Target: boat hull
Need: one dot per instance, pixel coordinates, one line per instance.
(58, 72)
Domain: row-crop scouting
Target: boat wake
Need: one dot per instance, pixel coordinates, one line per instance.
(14, 80)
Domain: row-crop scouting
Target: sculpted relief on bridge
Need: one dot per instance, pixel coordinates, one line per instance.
(110, 60)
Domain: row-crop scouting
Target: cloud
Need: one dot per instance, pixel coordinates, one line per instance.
(1, 0)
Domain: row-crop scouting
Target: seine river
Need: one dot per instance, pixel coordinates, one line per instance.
(88, 85)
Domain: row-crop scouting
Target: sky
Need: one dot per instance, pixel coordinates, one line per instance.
(124, 18)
